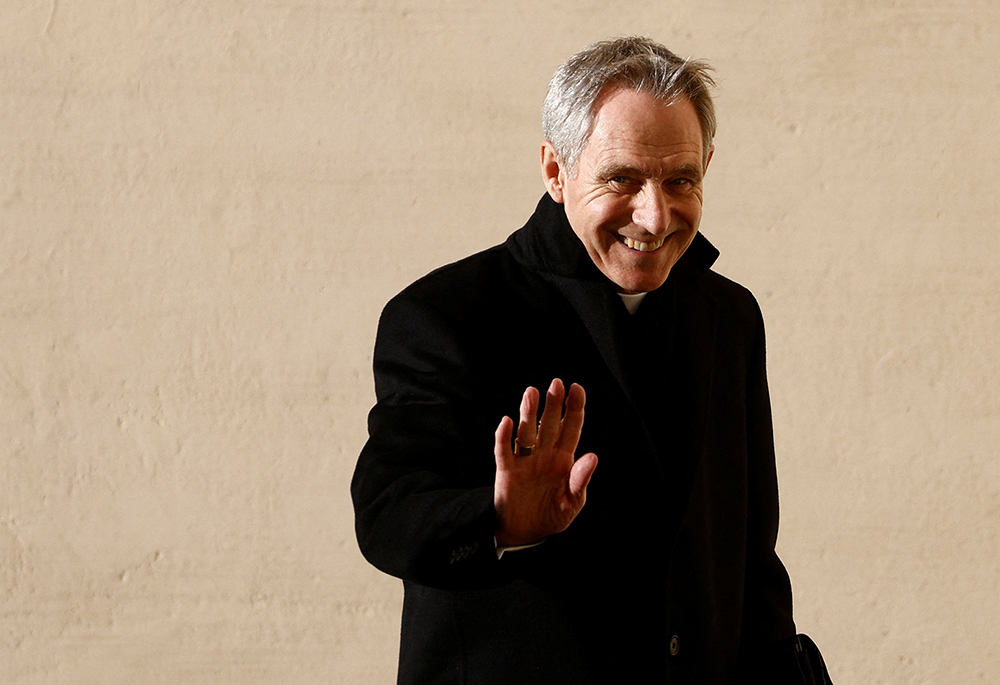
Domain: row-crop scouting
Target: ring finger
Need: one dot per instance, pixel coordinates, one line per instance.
(528, 424)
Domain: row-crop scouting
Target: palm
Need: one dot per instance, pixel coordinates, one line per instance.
(540, 495)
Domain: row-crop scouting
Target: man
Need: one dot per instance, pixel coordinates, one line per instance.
(535, 565)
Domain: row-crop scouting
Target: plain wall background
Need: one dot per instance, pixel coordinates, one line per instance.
(204, 206)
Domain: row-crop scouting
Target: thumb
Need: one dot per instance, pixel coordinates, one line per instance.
(579, 476)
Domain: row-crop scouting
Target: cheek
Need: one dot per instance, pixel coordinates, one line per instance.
(692, 211)
(612, 214)
(600, 219)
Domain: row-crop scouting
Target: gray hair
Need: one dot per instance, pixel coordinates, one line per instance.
(635, 63)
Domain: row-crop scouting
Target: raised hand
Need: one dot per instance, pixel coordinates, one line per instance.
(539, 491)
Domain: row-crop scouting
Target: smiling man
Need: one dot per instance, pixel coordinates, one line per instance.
(521, 560)
(634, 196)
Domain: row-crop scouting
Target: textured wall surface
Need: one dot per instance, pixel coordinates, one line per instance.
(204, 206)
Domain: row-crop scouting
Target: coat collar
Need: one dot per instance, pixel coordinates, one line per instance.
(546, 243)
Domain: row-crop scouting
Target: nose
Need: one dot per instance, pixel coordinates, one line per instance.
(652, 210)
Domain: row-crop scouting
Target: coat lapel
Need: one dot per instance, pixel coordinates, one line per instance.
(689, 384)
(602, 313)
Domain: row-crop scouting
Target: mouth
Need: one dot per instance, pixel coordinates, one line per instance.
(640, 246)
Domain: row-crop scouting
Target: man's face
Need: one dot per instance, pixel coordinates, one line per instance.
(635, 197)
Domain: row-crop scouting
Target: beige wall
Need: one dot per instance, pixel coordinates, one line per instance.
(204, 206)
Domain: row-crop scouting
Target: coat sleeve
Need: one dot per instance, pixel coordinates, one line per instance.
(423, 485)
(767, 610)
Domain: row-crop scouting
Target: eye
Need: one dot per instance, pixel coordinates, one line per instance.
(682, 184)
(625, 183)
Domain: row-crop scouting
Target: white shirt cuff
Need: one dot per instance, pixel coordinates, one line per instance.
(513, 548)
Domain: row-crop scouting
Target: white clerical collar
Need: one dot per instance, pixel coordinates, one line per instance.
(632, 300)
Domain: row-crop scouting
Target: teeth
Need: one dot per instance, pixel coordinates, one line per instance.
(641, 246)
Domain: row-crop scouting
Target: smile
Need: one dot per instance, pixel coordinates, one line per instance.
(640, 246)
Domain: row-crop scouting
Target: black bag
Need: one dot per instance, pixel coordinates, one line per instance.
(795, 660)
(810, 661)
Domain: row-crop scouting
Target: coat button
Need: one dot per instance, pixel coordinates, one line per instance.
(675, 646)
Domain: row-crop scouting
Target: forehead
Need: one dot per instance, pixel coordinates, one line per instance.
(633, 123)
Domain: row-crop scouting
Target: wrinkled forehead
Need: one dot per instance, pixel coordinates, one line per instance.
(640, 123)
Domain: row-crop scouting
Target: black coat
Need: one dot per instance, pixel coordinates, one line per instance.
(669, 573)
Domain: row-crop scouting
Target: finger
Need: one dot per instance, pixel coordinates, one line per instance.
(548, 428)
(528, 425)
(501, 447)
(579, 477)
(572, 423)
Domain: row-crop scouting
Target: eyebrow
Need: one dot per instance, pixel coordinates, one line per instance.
(612, 170)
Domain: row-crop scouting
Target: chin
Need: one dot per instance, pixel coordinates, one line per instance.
(643, 284)
(640, 278)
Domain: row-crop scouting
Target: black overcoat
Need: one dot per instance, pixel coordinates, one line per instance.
(669, 573)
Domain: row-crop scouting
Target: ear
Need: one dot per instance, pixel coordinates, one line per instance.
(553, 174)
(709, 158)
